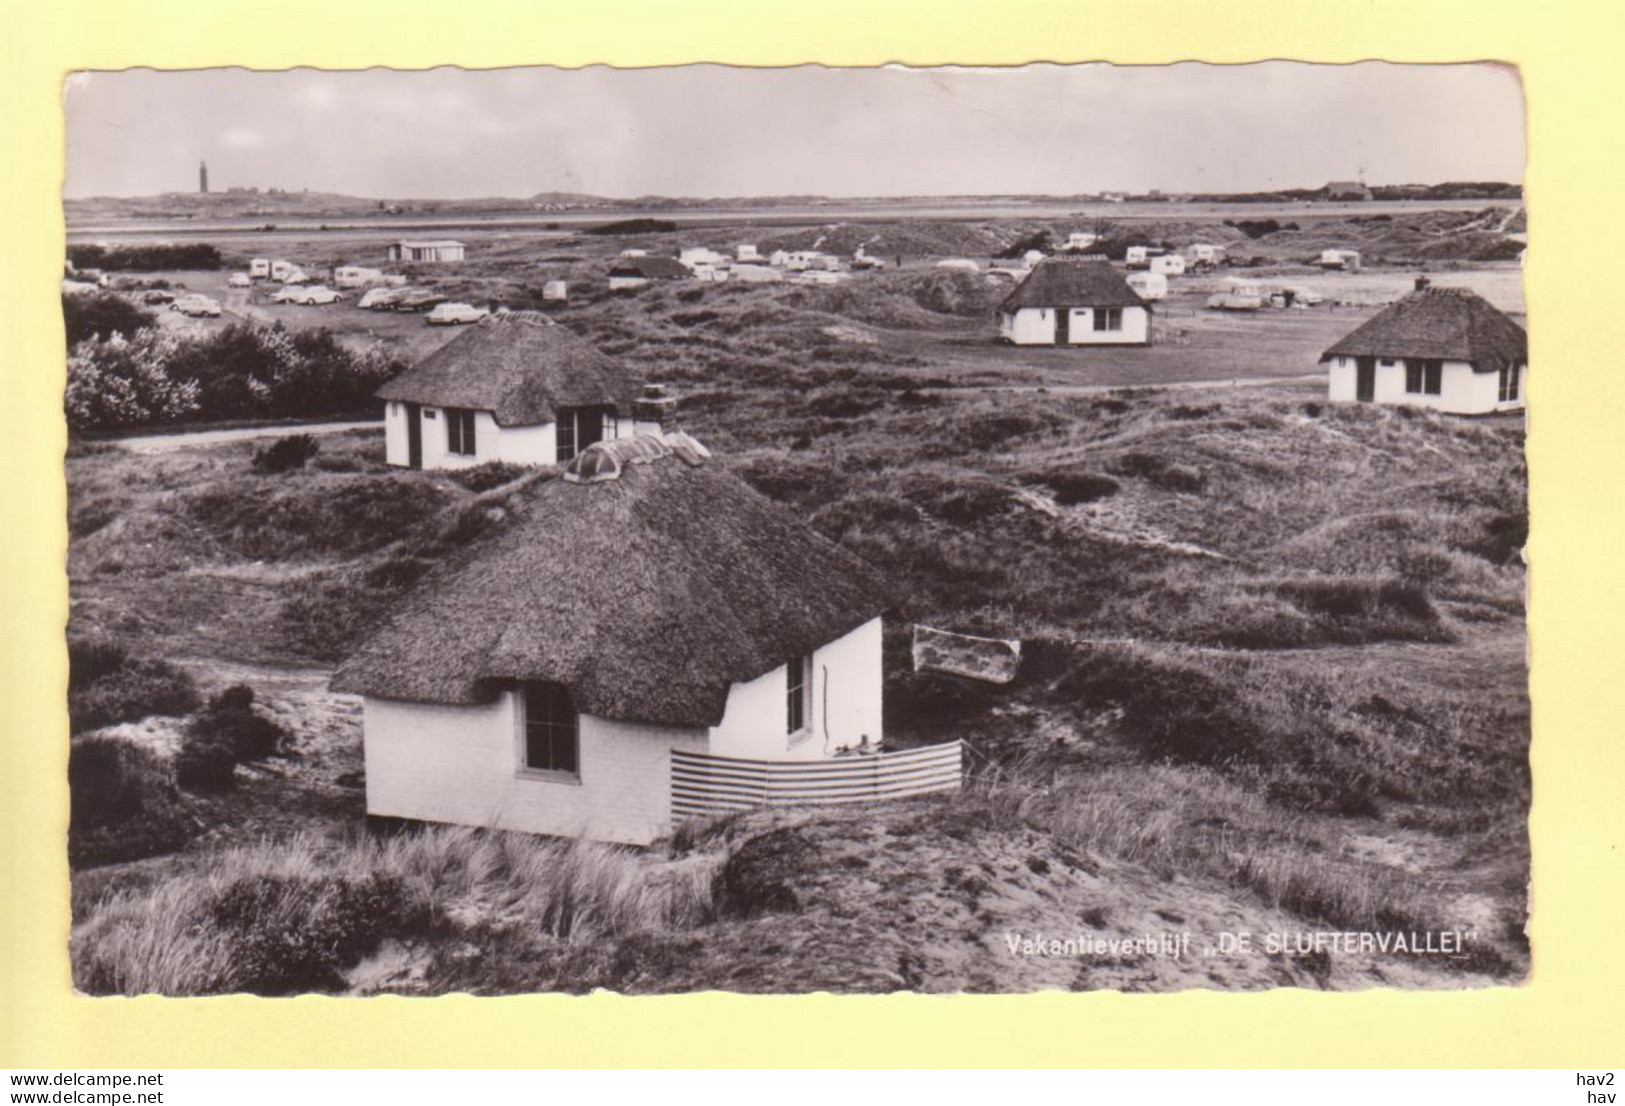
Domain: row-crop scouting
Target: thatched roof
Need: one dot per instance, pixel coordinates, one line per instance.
(1451, 324)
(1067, 283)
(520, 367)
(646, 593)
(651, 268)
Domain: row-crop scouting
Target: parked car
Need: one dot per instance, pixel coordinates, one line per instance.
(380, 299)
(239, 280)
(419, 299)
(450, 314)
(196, 305)
(307, 294)
(158, 296)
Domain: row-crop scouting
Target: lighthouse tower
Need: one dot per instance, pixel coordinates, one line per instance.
(203, 177)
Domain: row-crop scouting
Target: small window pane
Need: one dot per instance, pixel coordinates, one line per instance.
(551, 729)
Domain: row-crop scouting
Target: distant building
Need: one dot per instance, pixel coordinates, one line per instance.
(513, 387)
(1347, 190)
(203, 177)
(1445, 348)
(1075, 303)
(444, 250)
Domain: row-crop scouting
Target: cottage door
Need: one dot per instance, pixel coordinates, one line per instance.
(414, 436)
(1365, 379)
(1063, 326)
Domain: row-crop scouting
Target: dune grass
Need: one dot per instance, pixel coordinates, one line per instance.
(293, 915)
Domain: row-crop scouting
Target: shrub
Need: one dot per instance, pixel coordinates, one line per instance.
(106, 686)
(122, 802)
(206, 762)
(102, 315)
(124, 380)
(1160, 472)
(290, 934)
(491, 474)
(634, 226)
(1170, 710)
(286, 454)
(759, 877)
(1072, 486)
(230, 719)
(198, 255)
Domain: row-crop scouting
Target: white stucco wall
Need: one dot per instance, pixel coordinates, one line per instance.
(844, 706)
(464, 765)
(1461, 390)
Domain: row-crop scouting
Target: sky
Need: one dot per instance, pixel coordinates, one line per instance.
(717, 131)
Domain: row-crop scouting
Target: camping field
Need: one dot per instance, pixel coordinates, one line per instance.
(1273, 675)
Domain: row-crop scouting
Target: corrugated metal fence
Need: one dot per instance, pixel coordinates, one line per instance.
(702, 784)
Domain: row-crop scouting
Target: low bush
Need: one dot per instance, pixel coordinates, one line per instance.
(107, 686)
(102, 315)
(1160, 472)
(1171, 711)
(1072, 486)
(291, 934)
(122, 803)
(286, 454)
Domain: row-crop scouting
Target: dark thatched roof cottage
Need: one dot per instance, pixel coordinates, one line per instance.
(635, 272)
(514, 387)
(1065, 302)
(643, 602)
(1445, 348)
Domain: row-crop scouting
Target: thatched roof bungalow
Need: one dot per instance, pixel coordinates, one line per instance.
(1445, 348)
(635, 272)
(513, 387)
(1065, 302)
(644, 601)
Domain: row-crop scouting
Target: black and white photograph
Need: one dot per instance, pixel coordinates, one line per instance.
(792, 530)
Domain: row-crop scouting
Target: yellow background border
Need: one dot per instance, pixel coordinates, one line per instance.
(1569, 1014)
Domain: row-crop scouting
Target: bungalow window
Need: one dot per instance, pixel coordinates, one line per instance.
(552, 729)
(797, 693)
(1424, 377)
(1508, 390)
(580, 427)
(1108, 318)
(459, 432)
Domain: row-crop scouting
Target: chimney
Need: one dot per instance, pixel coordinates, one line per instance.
(654, 406)
(1422, 283)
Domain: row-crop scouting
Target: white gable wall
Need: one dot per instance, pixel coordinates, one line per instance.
(844, 705)
(1462, 391)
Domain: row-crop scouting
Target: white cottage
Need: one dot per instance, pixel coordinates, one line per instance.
(1444, 348)
(513, 387)
(644, 602)
(1075, 303)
